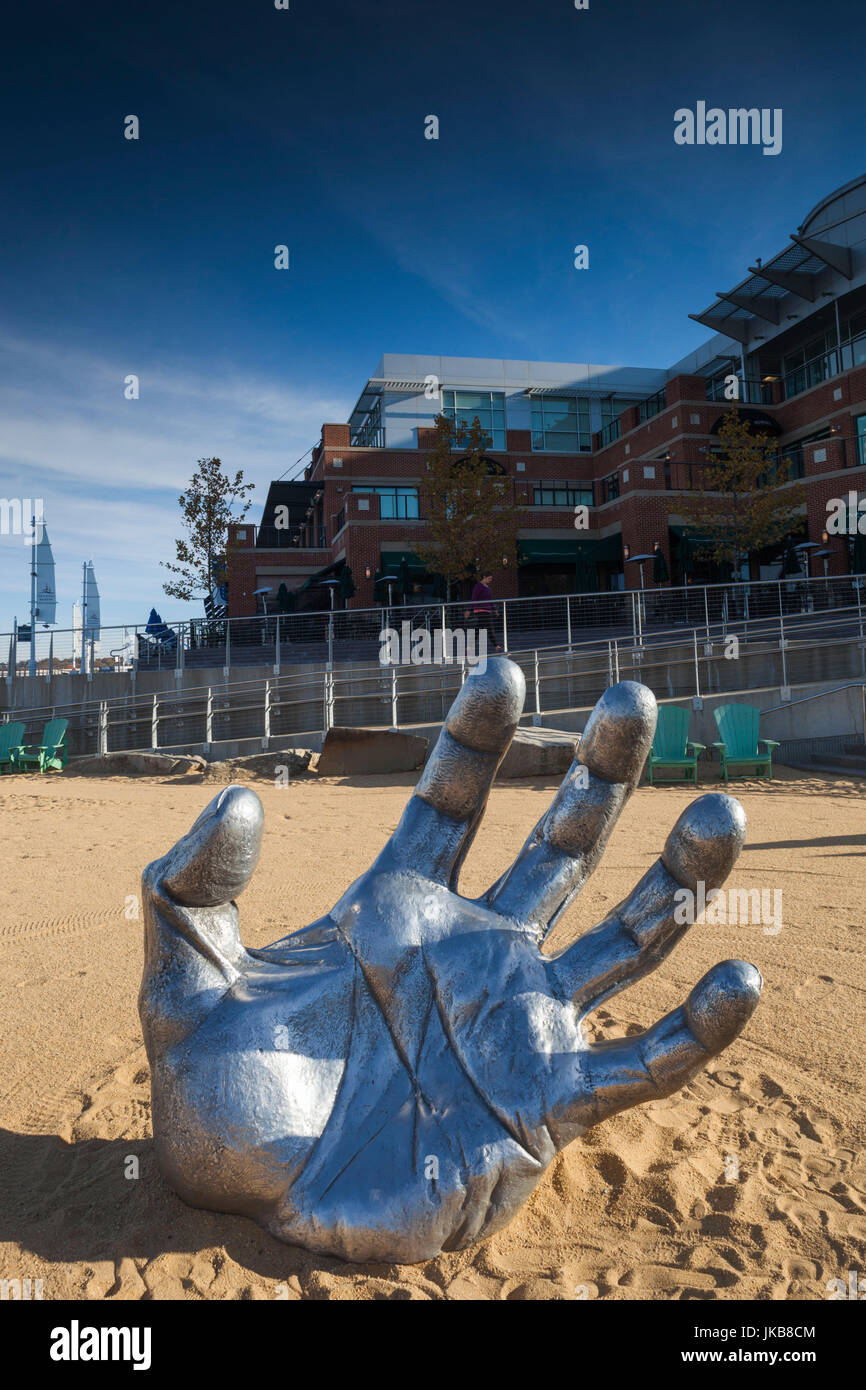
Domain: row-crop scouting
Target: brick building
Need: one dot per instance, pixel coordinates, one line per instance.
(623, 441)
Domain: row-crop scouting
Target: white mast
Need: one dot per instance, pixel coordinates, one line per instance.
(83, 667)
(31, 669)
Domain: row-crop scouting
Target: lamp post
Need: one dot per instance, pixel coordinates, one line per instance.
(826, 552)
(803, 550)
(825, 555)
(332, 586)
(640, 561)
(805, 547)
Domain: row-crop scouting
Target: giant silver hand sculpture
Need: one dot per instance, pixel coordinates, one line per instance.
(393, 1080)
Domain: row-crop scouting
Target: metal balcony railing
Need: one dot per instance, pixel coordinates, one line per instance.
(300, 640)
(751, 390)
(825, 365)
(736, 652)
(653, 405)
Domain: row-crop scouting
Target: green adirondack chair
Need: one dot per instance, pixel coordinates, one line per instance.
(738, 726)
(51, 752)
(672, 747)
(10, 741)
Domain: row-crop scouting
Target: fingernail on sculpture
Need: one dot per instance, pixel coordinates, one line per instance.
(393, 1081)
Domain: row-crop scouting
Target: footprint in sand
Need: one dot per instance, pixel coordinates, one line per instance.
(815, 987)
(800, 1277)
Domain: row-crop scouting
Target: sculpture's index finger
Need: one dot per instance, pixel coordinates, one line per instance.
(451, 793)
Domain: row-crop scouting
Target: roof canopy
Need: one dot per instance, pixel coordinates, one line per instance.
(796, 270)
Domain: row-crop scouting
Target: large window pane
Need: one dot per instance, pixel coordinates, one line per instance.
(561, 495)
(560, 424)
(487, 406)
(394, 502)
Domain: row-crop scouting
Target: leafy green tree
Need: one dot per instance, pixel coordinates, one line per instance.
(207, 507)
(744, 498)
(472, 521)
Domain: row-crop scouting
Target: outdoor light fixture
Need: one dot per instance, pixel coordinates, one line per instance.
(825, 538)
(367, 572)
(626, 552)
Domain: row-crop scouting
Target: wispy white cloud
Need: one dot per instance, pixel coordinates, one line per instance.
(110, 470)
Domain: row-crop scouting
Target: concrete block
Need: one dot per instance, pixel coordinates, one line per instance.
(538, 753)
(347, 752)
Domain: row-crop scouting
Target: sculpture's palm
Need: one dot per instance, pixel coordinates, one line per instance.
(393, 1080)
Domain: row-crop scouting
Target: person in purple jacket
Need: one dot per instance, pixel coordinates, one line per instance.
(481, 608)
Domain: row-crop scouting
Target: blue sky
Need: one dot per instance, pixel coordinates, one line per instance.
(306, 127)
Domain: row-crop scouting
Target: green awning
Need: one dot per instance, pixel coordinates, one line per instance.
(329, 572)
(687, 533)
(581, 548)
(391, 560)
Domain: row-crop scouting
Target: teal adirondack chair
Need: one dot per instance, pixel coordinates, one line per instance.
(738, 726)
(10, 741)
(672, 747)
(51, 752)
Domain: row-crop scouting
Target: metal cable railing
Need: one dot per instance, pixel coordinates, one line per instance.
(295, 639)
(742, 654)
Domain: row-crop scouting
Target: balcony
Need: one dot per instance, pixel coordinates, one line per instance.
(752, 391)
(824, 366)
(653, 405)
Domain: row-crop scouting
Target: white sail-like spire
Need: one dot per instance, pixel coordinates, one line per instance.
(91, 605)
(46, 593)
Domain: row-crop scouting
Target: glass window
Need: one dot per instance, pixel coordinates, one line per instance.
(562, 495)
(793, 360)
(371, 434)
(488, 407)
(611, 409)
(395, 503)
(560, 424)
(860, 422)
